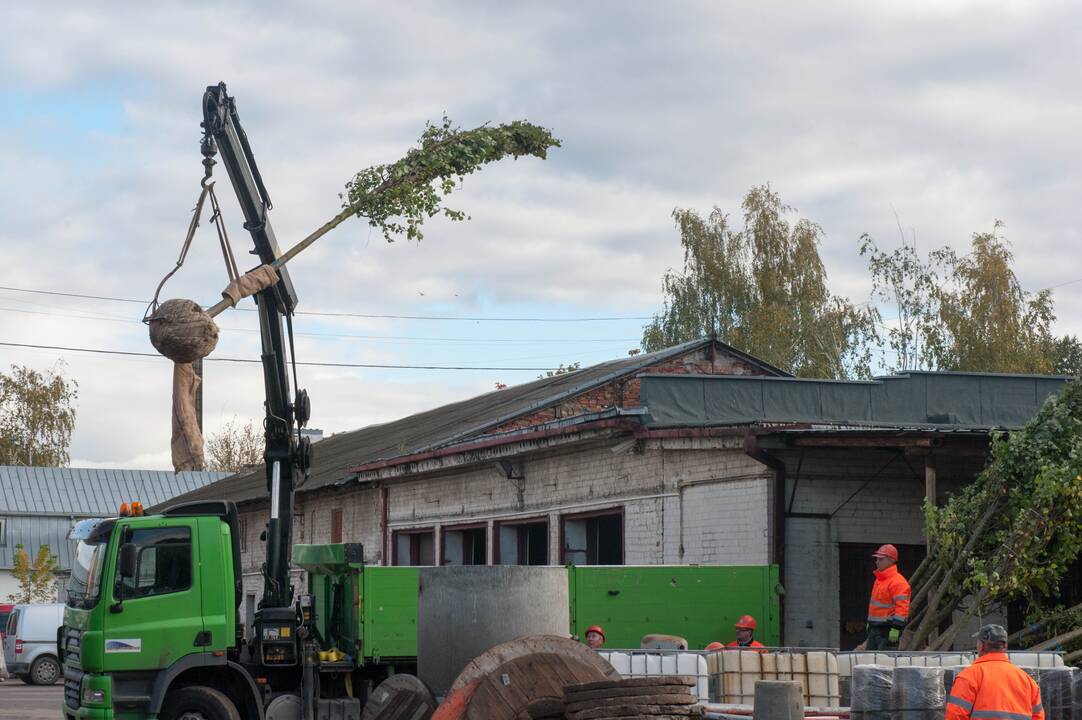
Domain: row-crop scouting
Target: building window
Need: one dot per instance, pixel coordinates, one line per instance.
(522, 542)
(414, 547)
(464, 545)
(593, 538)
(243, 530)
(3, 532)
(336, 526)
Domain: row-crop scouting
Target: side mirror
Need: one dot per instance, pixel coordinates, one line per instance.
(127, 560)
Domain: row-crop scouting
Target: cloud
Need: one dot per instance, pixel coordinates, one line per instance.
(950, 114)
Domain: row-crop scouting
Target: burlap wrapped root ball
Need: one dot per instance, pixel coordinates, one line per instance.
(182, 332)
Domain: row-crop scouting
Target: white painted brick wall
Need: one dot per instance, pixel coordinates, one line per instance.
(715, 501)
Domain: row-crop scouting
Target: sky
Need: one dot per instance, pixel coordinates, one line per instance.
(938, 117)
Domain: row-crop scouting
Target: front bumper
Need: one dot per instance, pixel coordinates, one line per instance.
(74, 683)
(84, 713)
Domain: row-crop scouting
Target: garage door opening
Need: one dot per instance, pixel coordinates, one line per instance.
(856, 580)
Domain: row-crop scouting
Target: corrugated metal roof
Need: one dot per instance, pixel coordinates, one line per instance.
(38, 505)
(84, 491)
(453, 423)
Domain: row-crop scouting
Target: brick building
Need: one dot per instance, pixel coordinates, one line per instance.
(695, 454)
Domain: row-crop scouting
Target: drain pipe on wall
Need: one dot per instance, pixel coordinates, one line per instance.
(752, 450)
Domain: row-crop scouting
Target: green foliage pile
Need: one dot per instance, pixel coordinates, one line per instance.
(1012, 533)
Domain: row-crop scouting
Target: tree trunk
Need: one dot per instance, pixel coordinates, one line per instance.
(1040, 624)
(947, 639)
(1057, 640)
(926, 626)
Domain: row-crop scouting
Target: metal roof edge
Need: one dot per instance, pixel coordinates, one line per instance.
(832, 381)
(647, 360)
(969, 373)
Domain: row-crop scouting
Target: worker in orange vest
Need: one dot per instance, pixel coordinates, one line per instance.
(745, 630)
(595, 637)
(992, 687)
(888, 608)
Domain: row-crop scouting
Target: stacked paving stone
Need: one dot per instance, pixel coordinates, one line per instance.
(667, 697)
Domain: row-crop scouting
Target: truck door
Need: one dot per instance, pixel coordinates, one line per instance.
(156, 616)
(219, 597)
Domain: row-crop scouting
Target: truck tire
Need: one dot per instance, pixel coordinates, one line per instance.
(197, 702)
(44, 671)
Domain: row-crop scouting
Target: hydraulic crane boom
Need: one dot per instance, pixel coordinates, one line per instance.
(287, 456)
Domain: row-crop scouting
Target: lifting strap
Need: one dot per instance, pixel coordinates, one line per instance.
(223, 241)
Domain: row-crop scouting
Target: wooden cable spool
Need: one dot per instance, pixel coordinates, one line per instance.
(514, 676)
(400, 697)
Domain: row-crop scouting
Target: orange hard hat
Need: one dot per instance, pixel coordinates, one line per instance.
(887, 551)
(746, 622)
(597, 629)
(715, 646)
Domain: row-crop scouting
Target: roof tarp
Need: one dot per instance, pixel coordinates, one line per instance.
(953, 400)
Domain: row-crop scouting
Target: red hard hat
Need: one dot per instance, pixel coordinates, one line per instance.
(746, 622)
(714, 646)
(887, 551)
(597, 629)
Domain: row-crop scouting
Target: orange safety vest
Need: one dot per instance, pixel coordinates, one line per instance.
(890, 598)
(754, 646)
(995, 689)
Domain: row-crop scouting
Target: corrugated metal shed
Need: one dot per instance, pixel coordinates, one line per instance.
(38, 505)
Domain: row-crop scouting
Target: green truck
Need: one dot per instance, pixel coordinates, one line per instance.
(152, 625)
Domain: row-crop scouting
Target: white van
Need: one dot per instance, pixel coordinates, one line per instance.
(30, 642)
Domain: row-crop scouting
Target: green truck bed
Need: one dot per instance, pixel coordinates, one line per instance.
(377, 606)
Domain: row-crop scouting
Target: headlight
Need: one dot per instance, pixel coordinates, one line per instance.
(93, 696)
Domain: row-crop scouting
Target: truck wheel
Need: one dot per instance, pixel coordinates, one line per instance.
(44, 671)
(196, 702)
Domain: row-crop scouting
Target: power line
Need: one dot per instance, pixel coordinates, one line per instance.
(1069, 282)
(370, 316)
(476, 341)
(246, 360)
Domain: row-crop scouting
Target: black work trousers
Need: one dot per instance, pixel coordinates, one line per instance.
(878, 638)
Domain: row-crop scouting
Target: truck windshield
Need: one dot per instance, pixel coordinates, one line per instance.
(84, 587)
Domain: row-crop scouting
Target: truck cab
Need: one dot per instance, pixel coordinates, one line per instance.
(152, 610)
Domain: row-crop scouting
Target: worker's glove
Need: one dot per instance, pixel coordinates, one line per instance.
(894, 635)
